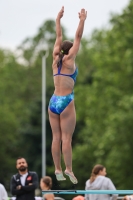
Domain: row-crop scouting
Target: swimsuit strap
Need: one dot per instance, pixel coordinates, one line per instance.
(73, 76)
(60, 66)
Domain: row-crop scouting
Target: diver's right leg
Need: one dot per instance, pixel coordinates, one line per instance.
(56, 143)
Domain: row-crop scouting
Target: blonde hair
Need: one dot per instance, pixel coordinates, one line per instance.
(95, 171)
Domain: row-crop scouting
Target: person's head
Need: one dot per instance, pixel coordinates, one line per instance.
(66, 46)
(21, 165)
(96, 171)
(46, 183)
(127, 197)
(79, 197)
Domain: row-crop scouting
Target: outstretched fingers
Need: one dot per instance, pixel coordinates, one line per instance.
(82, 14)
(61, 12)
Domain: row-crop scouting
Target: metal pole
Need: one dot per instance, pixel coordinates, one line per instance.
(44, 114)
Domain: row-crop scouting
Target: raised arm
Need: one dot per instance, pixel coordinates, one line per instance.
(74, 50)
(58, 41)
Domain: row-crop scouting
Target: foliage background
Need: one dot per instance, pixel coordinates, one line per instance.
(103, 98)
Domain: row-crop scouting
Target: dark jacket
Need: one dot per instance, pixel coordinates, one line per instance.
(26, 192)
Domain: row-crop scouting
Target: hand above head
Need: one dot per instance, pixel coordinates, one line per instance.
(61, 12)
(82, 14)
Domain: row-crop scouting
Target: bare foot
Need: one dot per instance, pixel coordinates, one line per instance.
(58, 171)
(59, 176)
(73, 179)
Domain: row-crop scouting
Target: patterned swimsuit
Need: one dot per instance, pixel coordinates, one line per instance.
(58, 103)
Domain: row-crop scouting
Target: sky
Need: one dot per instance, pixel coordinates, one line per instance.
(20, 19)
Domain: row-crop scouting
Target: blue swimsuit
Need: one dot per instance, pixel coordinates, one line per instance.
(58, 103)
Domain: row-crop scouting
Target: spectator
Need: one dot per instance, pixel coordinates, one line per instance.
(98, 181)
(46, 184)
(129, 197)
(24, 183)
(79, 197)
(3, 193)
